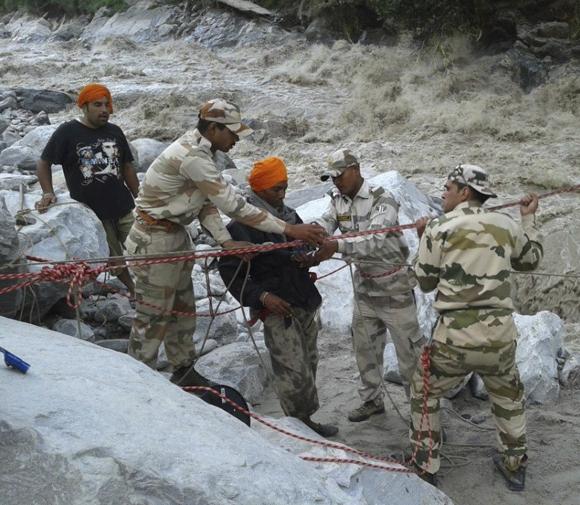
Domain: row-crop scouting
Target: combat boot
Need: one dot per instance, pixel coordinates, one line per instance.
(430, 478)
(366, 410)
(516, 479)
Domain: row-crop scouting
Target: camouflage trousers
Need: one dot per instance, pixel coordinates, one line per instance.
(159, 290)
(294, 354)
(372, 317)
(496, 365)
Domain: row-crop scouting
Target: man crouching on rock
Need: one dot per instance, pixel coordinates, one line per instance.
(282, 292)
(182, 184)
(467, 255)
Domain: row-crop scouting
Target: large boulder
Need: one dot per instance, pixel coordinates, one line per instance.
(147, 151)
(29, 29)
(13, 182)
(64, 232)
(43, 100)
(26, 152)
(377, 487)
(146, 21)
(238, 365)
(9, 255)
(86, 423)
(223, 328)
(540, 338)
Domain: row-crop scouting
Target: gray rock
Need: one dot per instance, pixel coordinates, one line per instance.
(106, 310)
(142, 22)
(62, 233)
(222, 328)
(43, 100)
(71, 327)
(97, 435)
(570, 373)
(9, 137)
(9, 254)
(68, 31)
(540, 338)
(237, 365)
(216, 284)
(12, 182)
(299, 197)
(25, 152)
(378, 488)
(126, 320)
(9, 102)
(148, 150)
(115, 344)
(29, 29)
(218, 28)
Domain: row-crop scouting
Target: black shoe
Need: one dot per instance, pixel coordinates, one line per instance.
(324, 430)
(516, 480)
(187, 376)
(429, 478)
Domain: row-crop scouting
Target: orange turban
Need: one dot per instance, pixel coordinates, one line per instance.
(267, 173)
(92, 92)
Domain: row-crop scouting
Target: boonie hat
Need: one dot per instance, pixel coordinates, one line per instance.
(226, 113)
(473, 176)
(338, 162)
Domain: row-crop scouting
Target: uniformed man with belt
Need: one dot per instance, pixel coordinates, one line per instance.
(183, 184)
(466, 255)
(383, 287)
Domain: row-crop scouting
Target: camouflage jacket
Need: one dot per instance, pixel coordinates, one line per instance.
(184, 183)
(467, 255)
(373, 255)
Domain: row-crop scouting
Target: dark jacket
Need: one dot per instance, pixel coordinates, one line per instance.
(273, 271)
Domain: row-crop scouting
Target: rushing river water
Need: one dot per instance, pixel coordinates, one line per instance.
(419, 112)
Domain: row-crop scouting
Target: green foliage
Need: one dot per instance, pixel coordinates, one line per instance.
(58, 7)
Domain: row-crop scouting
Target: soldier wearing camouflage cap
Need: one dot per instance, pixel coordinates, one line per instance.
(381, 301)
(467, 255)
(181, 185)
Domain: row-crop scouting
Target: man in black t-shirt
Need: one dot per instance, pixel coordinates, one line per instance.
(98, 169)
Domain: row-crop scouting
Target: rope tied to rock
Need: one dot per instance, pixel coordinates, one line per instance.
(76, 274)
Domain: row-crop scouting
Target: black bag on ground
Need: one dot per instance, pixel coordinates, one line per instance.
(231, 394)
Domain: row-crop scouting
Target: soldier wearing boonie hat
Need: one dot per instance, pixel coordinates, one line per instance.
(226, 113)
(382, 301)
(467, 256)
(183, 184)
(473, 176)
(338, 162)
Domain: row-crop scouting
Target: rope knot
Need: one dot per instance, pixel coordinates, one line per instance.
(76, 274)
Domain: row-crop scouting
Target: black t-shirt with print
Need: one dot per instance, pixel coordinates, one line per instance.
(91, 160)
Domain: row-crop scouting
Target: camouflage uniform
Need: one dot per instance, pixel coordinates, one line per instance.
(381, 302)
(467, 255)
(182, 184)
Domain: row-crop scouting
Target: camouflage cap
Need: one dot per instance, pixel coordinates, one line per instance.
(473, 176)
(338, 162)
(226, 113)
